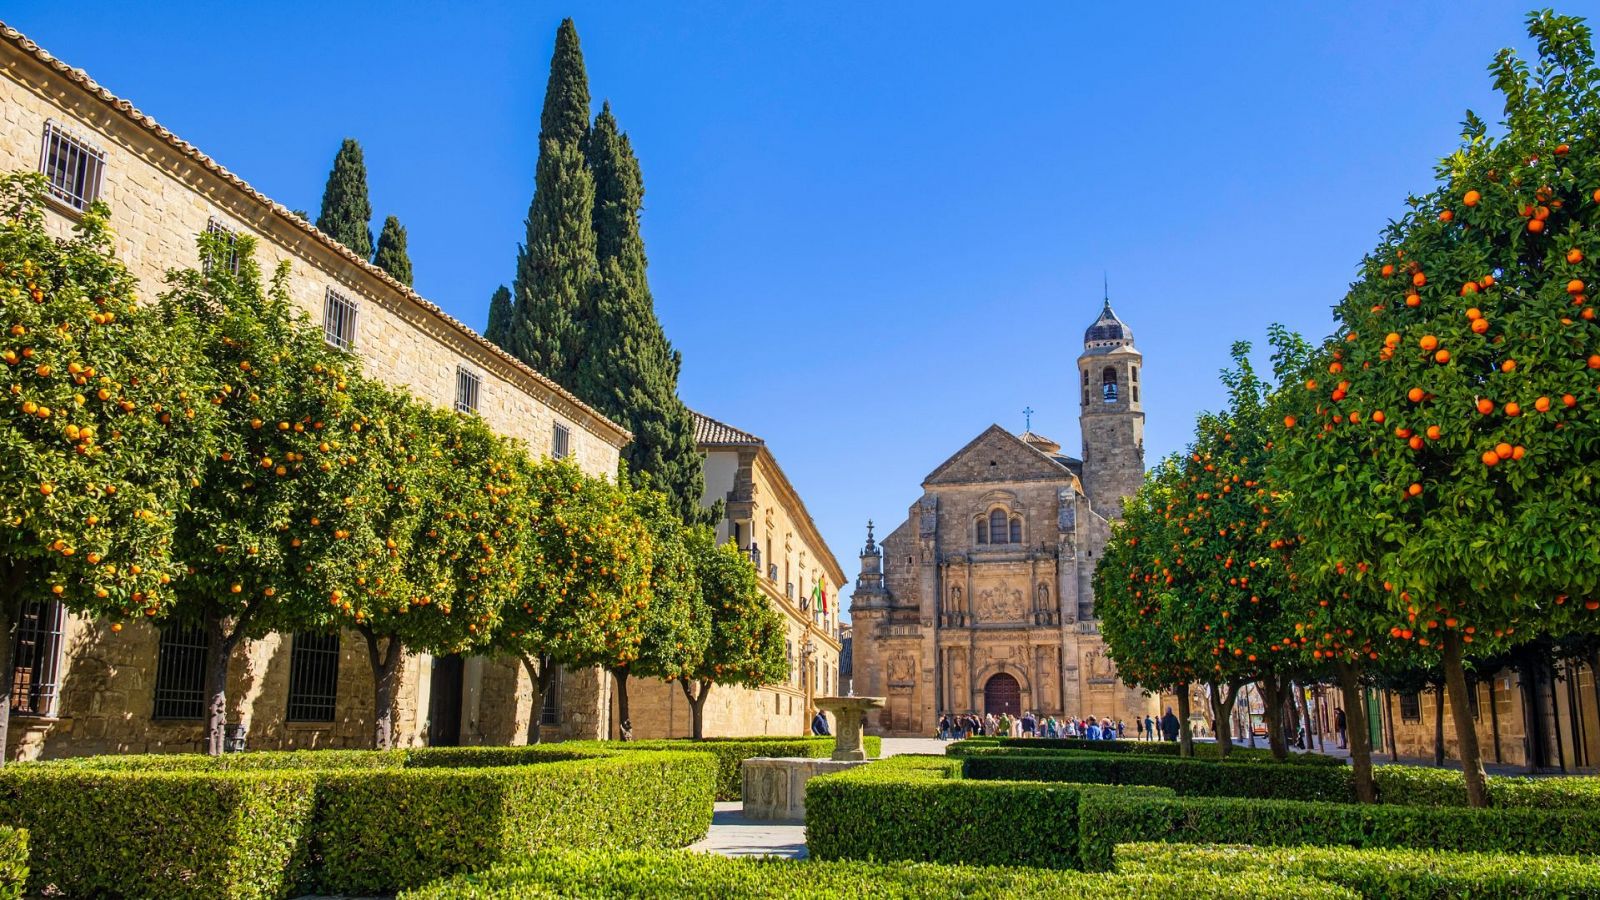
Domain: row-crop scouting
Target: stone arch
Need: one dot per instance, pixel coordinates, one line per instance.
(1002, 693)
(980, 677)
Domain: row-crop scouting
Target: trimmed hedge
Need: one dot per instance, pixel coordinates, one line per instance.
(732, 752)
(1187, 777)
(635, 875)
(161, 834)
(919, 808)
(1107, 820)
(377, 832)
(1202, 749)
(1418, 786)
(266, 824)
(13, 862)
(1399, 874)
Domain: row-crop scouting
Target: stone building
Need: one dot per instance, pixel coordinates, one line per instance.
(82, 689)
(798, 574)
(981, 601)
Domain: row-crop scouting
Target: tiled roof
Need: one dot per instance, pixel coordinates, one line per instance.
(709, 431)
(150, 125)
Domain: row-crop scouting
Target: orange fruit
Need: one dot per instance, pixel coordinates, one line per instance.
(1575, 286)
(1569, 400)
(1518, 451)
(1479, 326)
(1414, 489)
(1377, 416)
(1413, 301)
(1415, 395)
(1388, 269)
(1502, 450)
(1446, 216)
(1485, 405)
(1288, 421)
(1542, 404)
(1561, 149)
(1391, 339)
(1442, 357)
(1434, 432)
(1513, 409)
(1594, 361)
(1536, 226)
(1509, 365)
(1428, 342)
(1490, 459)
(1471, 198)
(1419, 279)
(1415, 443)
(1574, 256)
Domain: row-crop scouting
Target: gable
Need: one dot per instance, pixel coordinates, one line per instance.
(996, 455)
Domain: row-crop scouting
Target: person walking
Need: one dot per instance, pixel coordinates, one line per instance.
(819, 724)
(1169, 725)
(1339, 724)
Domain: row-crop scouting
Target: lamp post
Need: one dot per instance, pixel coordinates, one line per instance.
(808, 650)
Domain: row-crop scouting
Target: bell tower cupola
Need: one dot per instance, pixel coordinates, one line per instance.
(1111, 413)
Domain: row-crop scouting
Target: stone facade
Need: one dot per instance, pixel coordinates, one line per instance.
(763, 514)
(163, 193)
(981, 601)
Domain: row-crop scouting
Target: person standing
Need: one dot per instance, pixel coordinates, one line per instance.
(819, 724)
(1149, 727)
(1169, 726)
(1339, 724)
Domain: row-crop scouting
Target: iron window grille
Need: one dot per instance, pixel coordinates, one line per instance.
(313, 677)
(467, 384)
(560, 442)
(181, 673)
(339, 320)
(36, 660)
(1411, 707)
(230, 239)
(550, 713)
(73, 167)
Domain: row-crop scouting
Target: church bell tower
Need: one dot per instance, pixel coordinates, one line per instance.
(1111, 413)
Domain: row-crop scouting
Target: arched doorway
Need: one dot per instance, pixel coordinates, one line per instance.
(1002, 694)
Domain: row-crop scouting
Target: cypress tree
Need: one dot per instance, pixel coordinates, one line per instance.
(556, 263)
(346, 211)
(500, 315)
(391, 256)
(629, 370)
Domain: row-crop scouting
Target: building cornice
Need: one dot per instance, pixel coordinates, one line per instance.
(32, 66)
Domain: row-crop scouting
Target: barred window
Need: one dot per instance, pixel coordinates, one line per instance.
(36, 660)
(467, 383)
(550, 713)
(313, 676)
(339, 320)
(230, 239)
(181, 673)
(72, 166)
(560, 442)
(1411, 707)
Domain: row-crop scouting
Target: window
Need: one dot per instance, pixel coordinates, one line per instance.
(1135, 374)
(36, 659)
(1411, 707)
(313, 676)
(467, 382)
(181, 673)
(1136, 393)
(1016, 529)
(339, 320)
(983, 530)
(997, 526)
(72, 166)
(1085, 377)
(560, 442)
(1108, 384)
(230, 239)
(550, 714)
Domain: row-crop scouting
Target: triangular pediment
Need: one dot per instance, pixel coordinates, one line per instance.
(996, 455)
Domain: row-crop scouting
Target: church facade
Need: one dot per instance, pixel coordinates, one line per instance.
(981, 600)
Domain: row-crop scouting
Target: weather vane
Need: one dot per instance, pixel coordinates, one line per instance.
(1027, 418)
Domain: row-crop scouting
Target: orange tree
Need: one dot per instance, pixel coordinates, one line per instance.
(1451, 448)
(102, 429)
(746, 645)
(1137, 597)
(442, 552)
(281, 517)
(585, 578)
(1231, 551)
(675, 627)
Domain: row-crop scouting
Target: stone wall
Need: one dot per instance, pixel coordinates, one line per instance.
(162, 194)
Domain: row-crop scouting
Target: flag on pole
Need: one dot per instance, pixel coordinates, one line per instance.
(819, 597)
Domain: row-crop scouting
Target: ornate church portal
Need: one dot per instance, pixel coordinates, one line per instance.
(981, 600)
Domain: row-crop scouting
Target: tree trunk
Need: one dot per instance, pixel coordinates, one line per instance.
(1388, 726)
(621, 676)
(1555, 714)
(1185, 733)
(1222, 700)
(697, 706)
(1438, 726)
(385, 684)
(543, 675)
(218, 649)
(1272, 702)
(10, 611)
(1528, 683)
(1359, 738)
(1466, 734)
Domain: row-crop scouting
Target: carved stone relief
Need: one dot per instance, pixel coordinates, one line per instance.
(1000, 603)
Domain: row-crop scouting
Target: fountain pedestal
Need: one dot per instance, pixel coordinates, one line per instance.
(774, 788)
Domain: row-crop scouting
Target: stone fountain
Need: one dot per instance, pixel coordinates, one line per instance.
(774, 788)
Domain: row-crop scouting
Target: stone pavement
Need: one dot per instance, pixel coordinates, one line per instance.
(734, 835)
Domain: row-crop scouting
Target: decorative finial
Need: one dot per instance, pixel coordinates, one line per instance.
(1027, 418)
(1106, 286)
(870, 544)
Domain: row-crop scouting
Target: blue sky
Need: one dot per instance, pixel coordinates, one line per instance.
(874, 229)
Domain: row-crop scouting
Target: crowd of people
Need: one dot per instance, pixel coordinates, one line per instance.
(954, 727)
